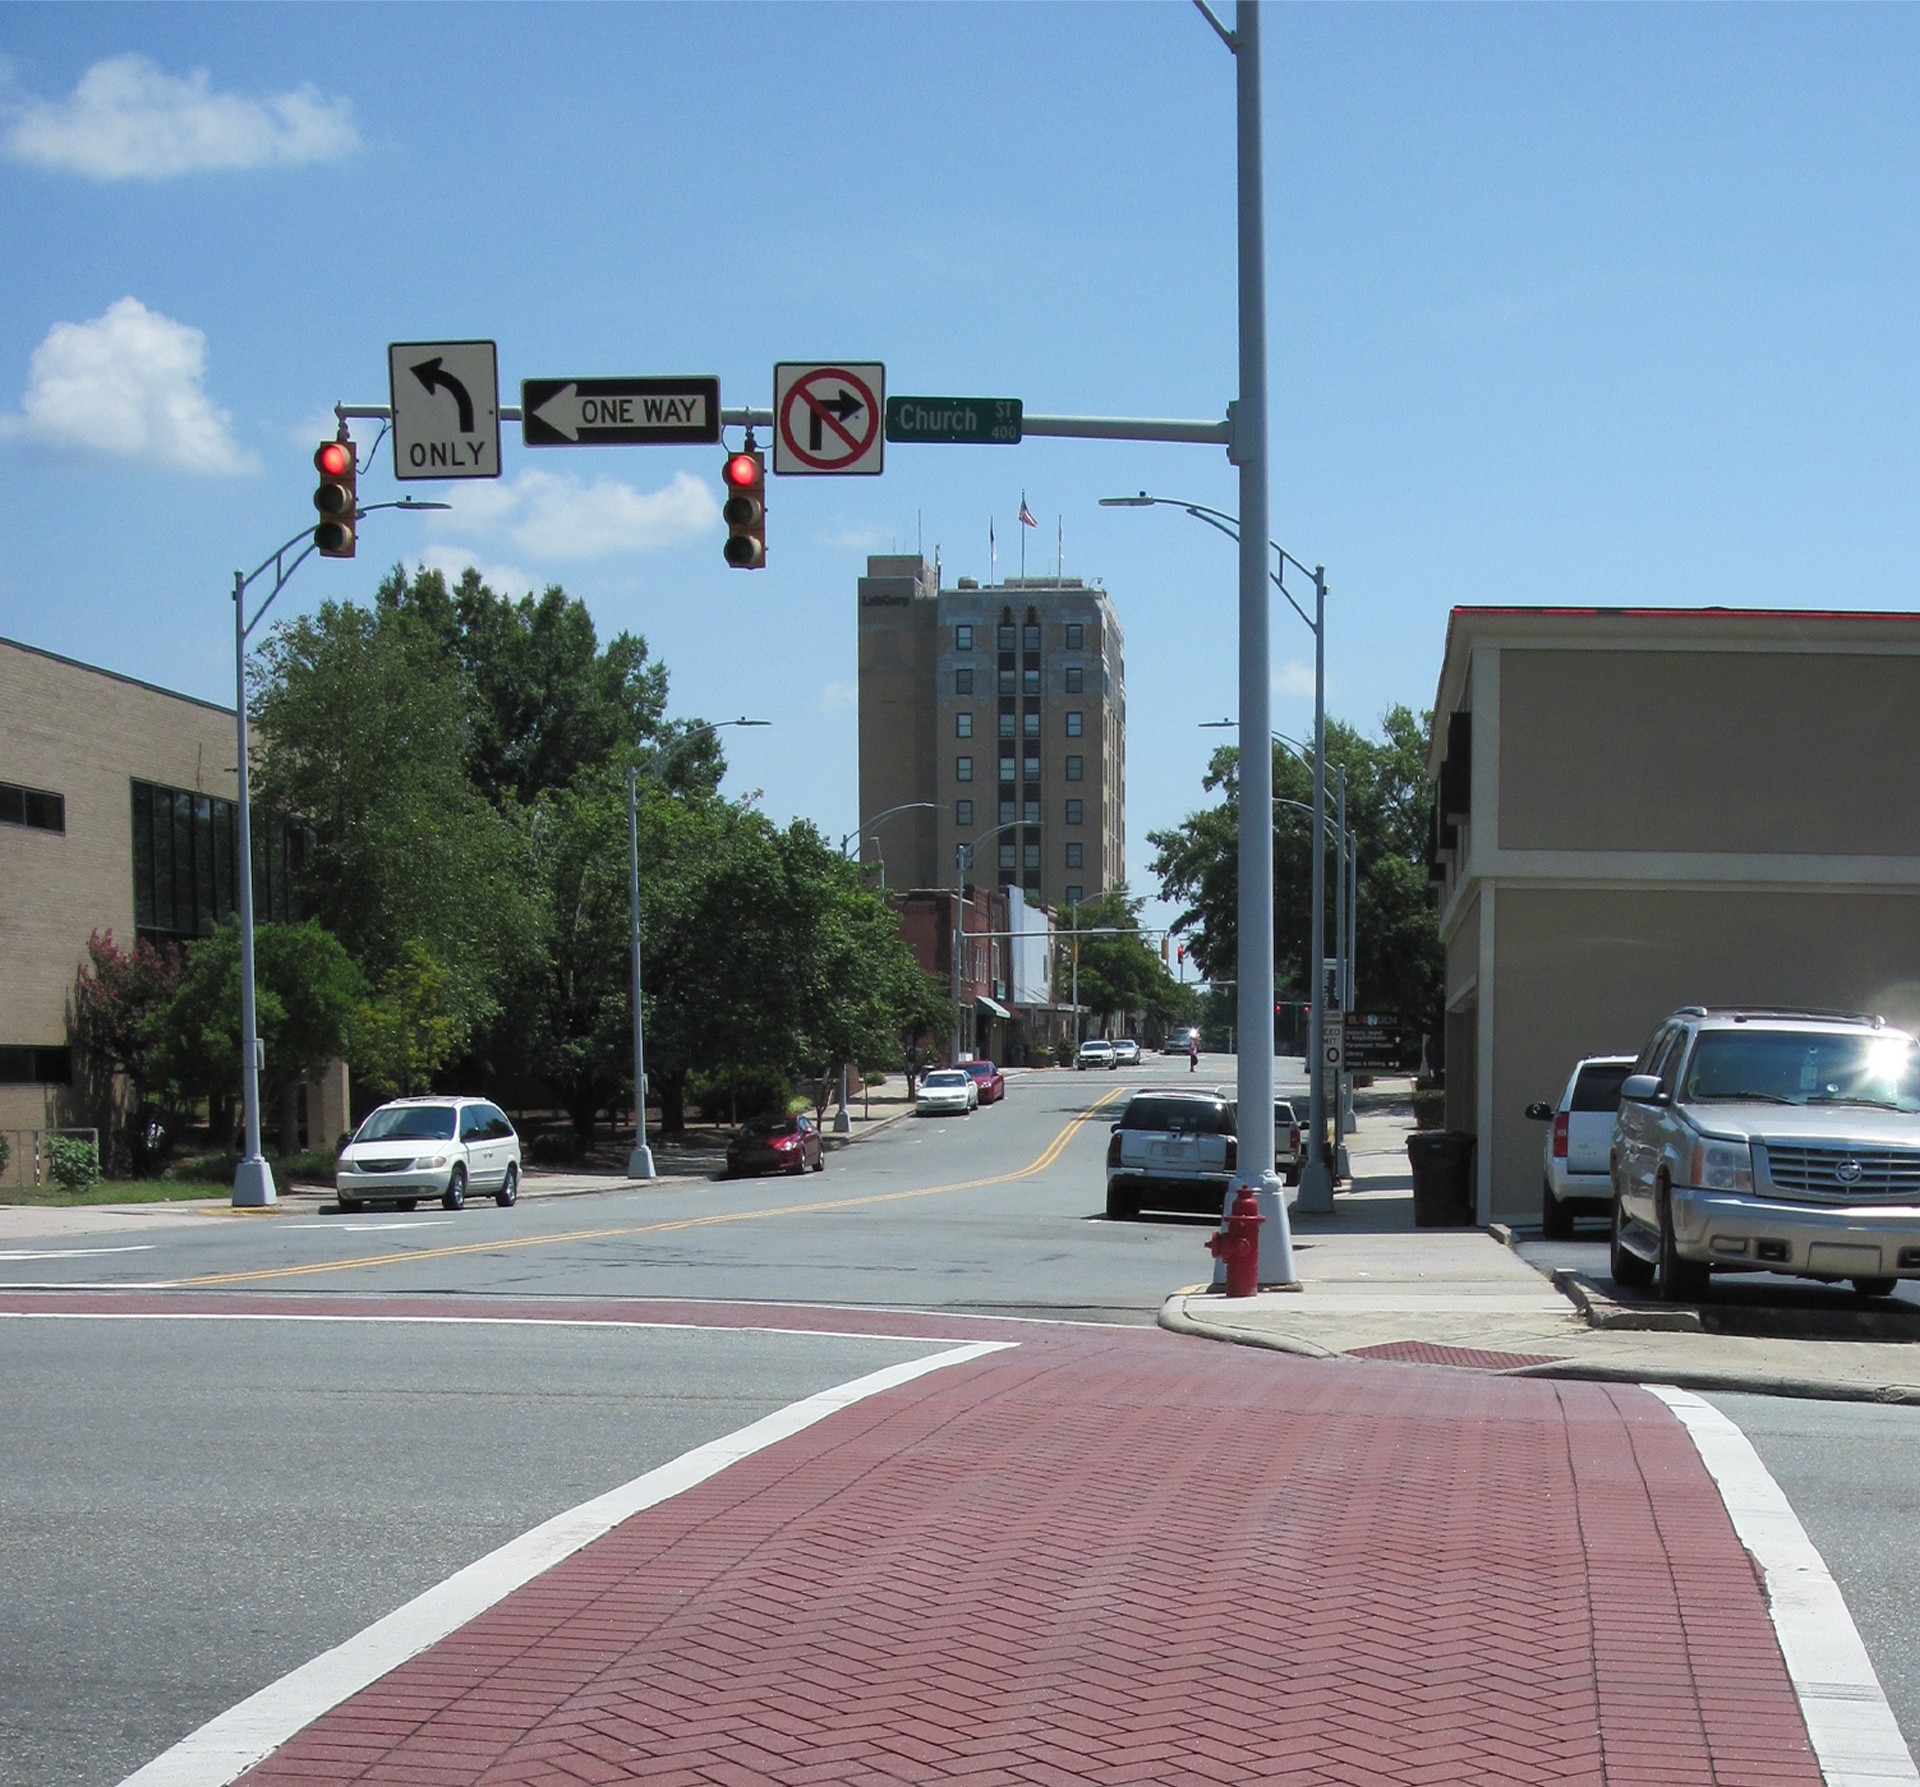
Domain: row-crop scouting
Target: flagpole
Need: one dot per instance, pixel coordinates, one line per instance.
(1023, 537)
(1059, 549)
(992, 552)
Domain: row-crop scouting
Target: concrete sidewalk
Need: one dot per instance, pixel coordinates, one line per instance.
(1377, 1288)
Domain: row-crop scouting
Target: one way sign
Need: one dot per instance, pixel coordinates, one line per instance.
(620, 412)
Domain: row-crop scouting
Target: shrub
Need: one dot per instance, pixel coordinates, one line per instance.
(1429, 1110)
(730, 1093)
(6, 1153)
(76, 1164)
(1063, 1052)
(553, 1147)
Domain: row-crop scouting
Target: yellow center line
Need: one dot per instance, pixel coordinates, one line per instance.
(1047, 1157)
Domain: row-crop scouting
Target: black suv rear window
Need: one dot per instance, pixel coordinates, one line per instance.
(1598, 1088)
(1183, 1116)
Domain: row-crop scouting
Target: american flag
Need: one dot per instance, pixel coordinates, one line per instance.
(1026, 514)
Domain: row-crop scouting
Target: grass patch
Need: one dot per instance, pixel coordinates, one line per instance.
(195, 1176)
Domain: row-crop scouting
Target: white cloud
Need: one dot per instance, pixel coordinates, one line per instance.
(864, 539)
(504, 580)
(1293, 679)
(130, 120)
(128, 384)
(839, 698)
(553, 515)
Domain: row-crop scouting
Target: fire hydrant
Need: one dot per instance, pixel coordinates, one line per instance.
(1237, 1244)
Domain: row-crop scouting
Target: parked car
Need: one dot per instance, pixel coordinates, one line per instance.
(1768, 1140)
(430, 1147)
(1574, 1177)
(1126, 1052)
(946, 1091)
(776, 1145)
(1175, 1148)
(988, 1080)
(1096, 1051)
(1289, 1151)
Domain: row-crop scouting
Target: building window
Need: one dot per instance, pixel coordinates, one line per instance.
(1076, 724)
(1031, 858)
(1006, 682)
(1076, 680)
(1006, 856)
(1004, 639)
(1006, 725)
(1076, 636)
(1076, 855)
(1076, 769)
(32, 807)
(1030, 639)
(963, 682)
(24, 1065)
(963, 769)
(1030, 813)
(1006, 769)
(183, 864)
(963, 639)
(1030, 767)
(1006, 812)
(963, 813)
(1030, 725)
(1030, 682)
(1076, 812)
(963, 725)
(1075, 894)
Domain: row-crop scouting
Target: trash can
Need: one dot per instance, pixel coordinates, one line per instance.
(1442, 1161)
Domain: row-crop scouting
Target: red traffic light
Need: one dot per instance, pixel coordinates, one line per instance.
(333, 458)
(742, 469)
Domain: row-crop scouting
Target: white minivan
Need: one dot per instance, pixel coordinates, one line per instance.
(441, 1148)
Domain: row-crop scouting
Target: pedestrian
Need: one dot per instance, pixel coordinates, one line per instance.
(1193, 1054)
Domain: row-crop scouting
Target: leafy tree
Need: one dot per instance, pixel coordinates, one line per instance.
(409, 1029)
(1118, 973)
(114, 997)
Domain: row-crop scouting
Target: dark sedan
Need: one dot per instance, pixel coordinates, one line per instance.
(776, 1145)
(991, 1081)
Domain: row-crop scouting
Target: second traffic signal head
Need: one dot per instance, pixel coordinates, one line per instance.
(746, 510)
(336, 497)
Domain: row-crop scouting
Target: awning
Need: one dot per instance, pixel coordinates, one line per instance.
(994, 1007)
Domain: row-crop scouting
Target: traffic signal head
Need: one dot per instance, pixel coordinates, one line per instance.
(746, 510)
(336, 497)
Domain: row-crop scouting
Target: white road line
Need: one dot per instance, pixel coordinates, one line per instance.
(226, 1747)
(1852, 1727)
(368, 1228)
(76, 1253)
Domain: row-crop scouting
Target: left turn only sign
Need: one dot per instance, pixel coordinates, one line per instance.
(446, 409)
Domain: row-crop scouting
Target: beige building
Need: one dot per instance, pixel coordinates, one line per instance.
(116, 814)
(1640, 810)
(1002, 706)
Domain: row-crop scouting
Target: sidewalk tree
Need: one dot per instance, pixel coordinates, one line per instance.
(409, 1029)
(1118, 974)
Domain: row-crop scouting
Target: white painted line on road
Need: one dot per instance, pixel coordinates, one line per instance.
(1848, 1719)
(370, 1228)
(226, 1747)
(76, 1253)
(89, 1284)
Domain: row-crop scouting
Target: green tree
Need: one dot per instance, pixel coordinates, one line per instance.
(1119, 973)
(115, 994)
(409, 1029)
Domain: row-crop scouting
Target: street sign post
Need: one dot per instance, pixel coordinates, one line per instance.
(446, 409)
(1333, 1046)
(827, 418)
(620, 412)
(988, 421)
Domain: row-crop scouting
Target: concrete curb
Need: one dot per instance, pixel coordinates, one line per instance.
(1176, 1319)
(1604, 1311)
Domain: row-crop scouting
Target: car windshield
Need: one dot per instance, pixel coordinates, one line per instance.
(980, 1069)
(1180, 1116)
(1598, 1087)
(408, 1123)
(1804, 1067)
(946, 1076)
(1094, 1048)
(765, 1126)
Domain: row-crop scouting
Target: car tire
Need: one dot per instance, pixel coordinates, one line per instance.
(820, 1165)
(455, 1196)
(1681, 1281)
(799, 1166)
(348, 1206)
(1556, 1220)
(1291, 1176)
(1874, 1287)
(509, 1193)
(1120, 1207)
(1630, 1271)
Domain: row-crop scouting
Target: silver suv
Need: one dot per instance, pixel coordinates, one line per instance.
(1767, 1140)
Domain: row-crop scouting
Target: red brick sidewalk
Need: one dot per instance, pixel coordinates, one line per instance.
(1119, 1557)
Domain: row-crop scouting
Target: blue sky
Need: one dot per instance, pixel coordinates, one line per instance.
(1568, 305)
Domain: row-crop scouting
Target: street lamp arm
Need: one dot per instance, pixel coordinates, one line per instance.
(1213, 19)
(868, 826)
(1229, 525)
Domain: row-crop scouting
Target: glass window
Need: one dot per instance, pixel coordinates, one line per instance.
(1076, 636)
(1006, 769)
(1006, 682)
(1030, 682)
(963, 639)
(32, 807)
(1030, 813)
(1802, 1067)
(1006, 725)
(963, 769)
(963, 814)
(1076, 855)
(1006, 856)
(963, 725)
(408, 1123)
(473, 1123)
(1076, 769)
(1076, 724)
(1030, 725)
(1076, 680)
(1004, 639)
(1006, 812)
(1030, 639)
(1075, 894)
(1031, 856)
(1598, 1088)
(1076, 812)
(963, 682)
(1030, 768)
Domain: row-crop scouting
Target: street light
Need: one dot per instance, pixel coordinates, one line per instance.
(640, 1161)
(867, 826)
(253, 1187)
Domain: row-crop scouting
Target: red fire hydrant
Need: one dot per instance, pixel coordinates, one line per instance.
(1237, 1244)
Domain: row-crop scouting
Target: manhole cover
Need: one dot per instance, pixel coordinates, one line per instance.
(1466, 1358)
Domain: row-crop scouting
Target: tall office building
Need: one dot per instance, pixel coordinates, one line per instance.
(1001, 706)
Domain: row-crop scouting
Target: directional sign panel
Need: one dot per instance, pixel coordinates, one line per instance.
(827, 417)
(990, 421)
(620, 412)
(446, 409)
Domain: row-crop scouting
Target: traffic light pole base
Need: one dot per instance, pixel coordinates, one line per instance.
(1316, 1189)
(640, 1163)
(253, 1184)
(1275, 1271)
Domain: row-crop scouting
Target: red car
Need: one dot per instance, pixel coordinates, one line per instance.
(776, 1145)
(991, 1081)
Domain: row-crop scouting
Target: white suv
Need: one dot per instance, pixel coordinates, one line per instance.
(430, 1147)
(1762, 1140)
(1574, 1173)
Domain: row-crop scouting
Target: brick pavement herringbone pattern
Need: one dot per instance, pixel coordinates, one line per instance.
(1125, 1558)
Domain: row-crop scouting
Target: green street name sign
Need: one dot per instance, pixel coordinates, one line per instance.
(987, 421)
